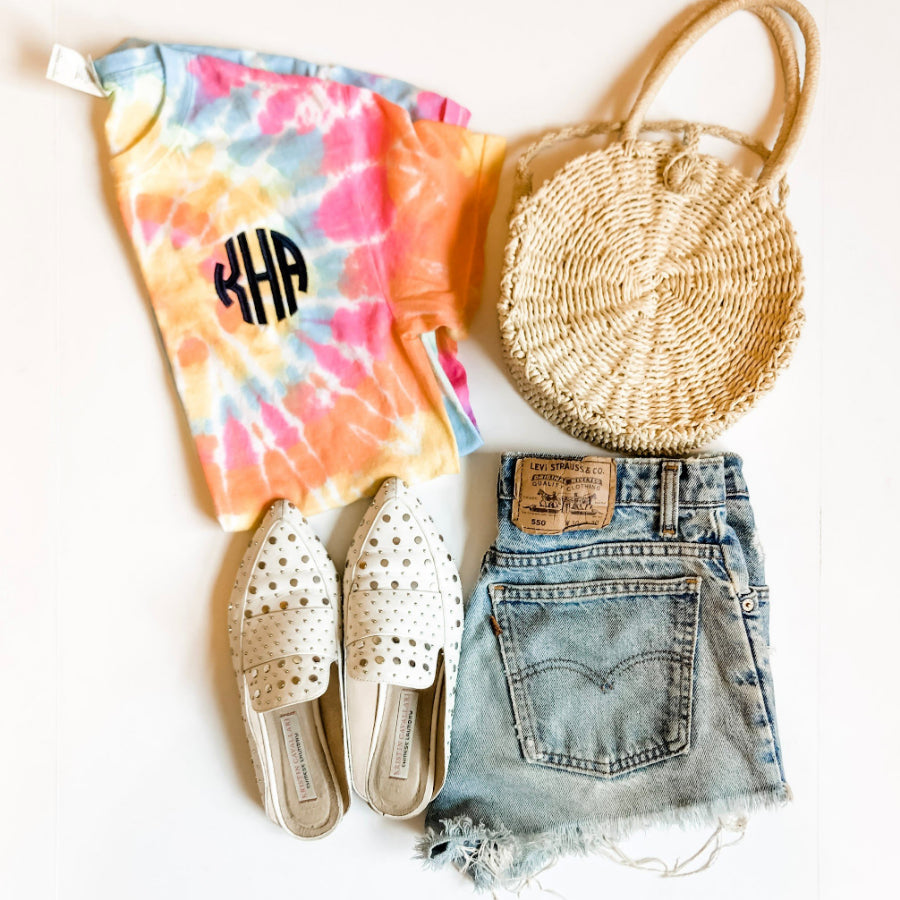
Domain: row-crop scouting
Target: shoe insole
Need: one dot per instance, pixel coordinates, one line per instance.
(401, 767)
(306, 787)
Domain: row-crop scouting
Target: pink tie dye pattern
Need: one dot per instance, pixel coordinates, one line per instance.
(319, 402)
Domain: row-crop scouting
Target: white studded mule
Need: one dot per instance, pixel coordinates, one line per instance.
(285, 644)
(403, 617)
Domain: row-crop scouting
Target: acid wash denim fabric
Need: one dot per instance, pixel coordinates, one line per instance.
(628, 685)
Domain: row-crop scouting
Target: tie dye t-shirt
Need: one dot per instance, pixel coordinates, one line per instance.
(312, 251)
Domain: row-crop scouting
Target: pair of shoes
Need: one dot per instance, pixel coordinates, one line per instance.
(373, 710)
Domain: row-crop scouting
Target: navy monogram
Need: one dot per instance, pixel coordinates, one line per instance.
(290, 266)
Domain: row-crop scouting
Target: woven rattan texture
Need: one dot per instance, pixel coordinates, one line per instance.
(647, 318)
(651, 293)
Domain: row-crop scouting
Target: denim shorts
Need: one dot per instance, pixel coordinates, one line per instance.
(611, 678)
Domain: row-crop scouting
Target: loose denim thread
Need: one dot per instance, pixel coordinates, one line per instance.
(736, 825)
(491, 857)
(529, 882)
(679, 869)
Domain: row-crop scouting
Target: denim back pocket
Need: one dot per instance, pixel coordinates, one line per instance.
(600, 672)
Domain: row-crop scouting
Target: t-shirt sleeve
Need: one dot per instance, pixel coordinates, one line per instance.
(442, 181)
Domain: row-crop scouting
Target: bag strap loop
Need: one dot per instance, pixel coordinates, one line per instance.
(790, 74)
(796, 114)
(523, 181)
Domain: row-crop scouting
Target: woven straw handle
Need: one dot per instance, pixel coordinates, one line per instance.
(790, 73)
(796, 115)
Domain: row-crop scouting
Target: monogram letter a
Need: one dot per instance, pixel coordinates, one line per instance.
(283, 246)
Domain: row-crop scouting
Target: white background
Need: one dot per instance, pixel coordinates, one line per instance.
(123, 766)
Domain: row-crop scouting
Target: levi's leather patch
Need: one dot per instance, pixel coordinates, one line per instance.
(556, 495)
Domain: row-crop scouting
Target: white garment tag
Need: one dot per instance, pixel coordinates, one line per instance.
(293, 741)
(68, 67)
(403, 733)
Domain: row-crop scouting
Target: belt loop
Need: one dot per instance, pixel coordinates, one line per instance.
(668, 497)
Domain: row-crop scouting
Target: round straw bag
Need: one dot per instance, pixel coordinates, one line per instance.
(651, 293)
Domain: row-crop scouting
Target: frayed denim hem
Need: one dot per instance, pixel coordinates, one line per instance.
(495, 858)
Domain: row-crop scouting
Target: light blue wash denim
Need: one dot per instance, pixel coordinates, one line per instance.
(629, 683)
